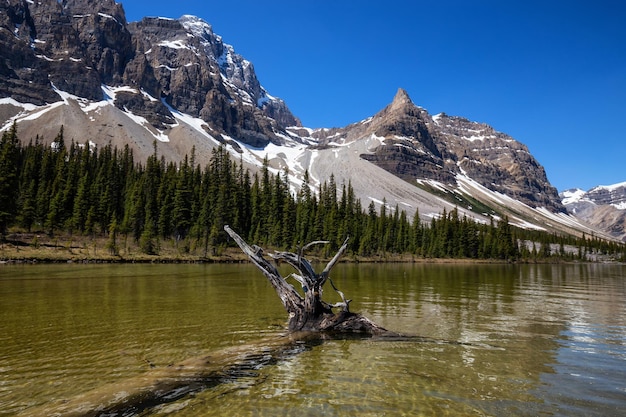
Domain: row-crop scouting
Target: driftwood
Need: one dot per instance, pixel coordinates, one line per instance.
(307, 311)
(310, 319)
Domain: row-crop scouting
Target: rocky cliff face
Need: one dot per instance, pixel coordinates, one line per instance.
(76, 46)
(603, 207)
(496, 161)
(415, 146)
(47, 46)
(158, 72)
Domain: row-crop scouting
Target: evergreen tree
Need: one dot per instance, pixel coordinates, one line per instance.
(58, 197)
(182, 204)
(9, 178)
(29, 182)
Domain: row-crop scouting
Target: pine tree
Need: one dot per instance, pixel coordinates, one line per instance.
(82, 202)
(29, 182)
(304, 212)
(181, 213)
(57, 209)
(9, 178)
(416, 234)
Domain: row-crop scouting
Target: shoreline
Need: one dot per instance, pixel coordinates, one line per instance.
(233, 255)
(33, 248)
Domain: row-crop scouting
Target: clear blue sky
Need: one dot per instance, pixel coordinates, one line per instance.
(550, 73)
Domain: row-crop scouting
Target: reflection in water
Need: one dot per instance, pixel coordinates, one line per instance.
(495, 339)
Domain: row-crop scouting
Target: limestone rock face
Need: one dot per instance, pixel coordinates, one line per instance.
(603, 207)
(409, 149)
(73, 46)
(497, 161)
(417, 146)
(77, 46)
(164, 68)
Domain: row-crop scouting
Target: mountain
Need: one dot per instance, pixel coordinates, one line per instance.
(79, 64)
(53, 50)
(603, 207)
(414, 144)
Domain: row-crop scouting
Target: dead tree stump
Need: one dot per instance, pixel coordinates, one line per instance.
(308, 311)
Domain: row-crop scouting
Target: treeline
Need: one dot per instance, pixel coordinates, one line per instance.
(78, 189)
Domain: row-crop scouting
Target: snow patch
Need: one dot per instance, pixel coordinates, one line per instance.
(610, 187)
(13, 102)
(108, 16)
(560, 218)
(265, 98)
(572, 196)
(168, 68)
(196, 123)
(29, 112)
(196, 26)
(177, 44)
(45, 58)
(434, 184)
(142, 121)
(474, 138)
(620, 206)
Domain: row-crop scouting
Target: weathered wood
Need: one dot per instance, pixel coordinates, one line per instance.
(310, 319)
(308, 312)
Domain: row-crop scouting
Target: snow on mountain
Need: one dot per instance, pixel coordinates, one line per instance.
(572, 196)
(614, 195)
(176, 82)
(614, 187)
(603, 207)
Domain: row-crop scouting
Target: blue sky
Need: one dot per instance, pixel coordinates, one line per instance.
(552, 74)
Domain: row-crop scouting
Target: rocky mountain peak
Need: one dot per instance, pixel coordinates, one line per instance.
(418, 146)
(401, 101)
(176, 78)
(603, 206)
(402, 118)
(52, 47)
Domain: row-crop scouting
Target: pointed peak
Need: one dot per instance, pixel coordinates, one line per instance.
(401, 99)
(402, 95)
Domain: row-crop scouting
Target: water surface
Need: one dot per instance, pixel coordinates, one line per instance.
(494, 339)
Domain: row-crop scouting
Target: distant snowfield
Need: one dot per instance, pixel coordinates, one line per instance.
(611, 187)
(572, 196)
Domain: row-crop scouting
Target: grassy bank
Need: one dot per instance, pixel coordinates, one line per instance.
(42, 248)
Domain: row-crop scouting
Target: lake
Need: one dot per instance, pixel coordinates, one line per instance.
(495, 340)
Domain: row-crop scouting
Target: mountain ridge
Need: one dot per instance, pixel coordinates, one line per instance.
(176, 82)
(603, 206)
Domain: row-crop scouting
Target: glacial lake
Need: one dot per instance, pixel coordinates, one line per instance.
(494, 340)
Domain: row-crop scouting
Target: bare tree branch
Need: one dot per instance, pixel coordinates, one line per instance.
(326, 271)
(308, 312)
(302, 265)
(345, 304)
(292, 301)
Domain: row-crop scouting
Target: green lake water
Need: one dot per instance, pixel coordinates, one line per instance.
(495, 340)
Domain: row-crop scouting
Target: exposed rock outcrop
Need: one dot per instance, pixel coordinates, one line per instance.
(168, 70)
(417, 146)
(603, 207)
(76, 46)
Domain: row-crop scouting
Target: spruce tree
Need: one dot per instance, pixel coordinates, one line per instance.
(9, 178)
(29, 181)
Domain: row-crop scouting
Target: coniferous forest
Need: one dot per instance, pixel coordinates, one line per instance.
(78, 190)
